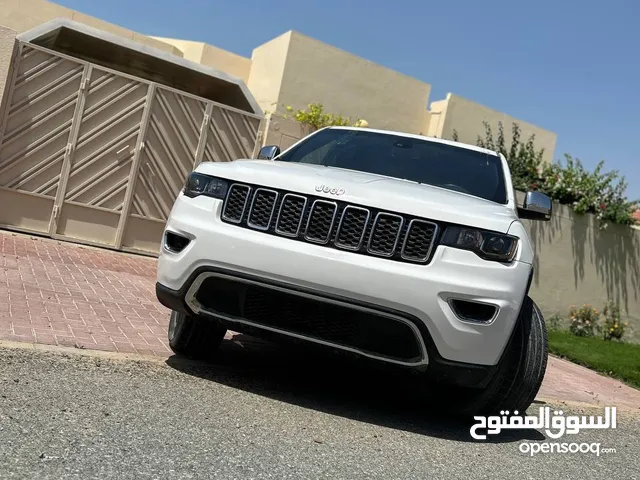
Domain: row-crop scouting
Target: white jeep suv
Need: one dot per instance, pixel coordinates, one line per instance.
(405, 249)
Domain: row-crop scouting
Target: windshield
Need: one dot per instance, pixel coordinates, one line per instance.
(422, 161)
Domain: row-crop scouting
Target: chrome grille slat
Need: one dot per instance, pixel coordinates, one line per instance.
(320, 222)
(263, 205)
(352, 227)
(332, 224)
(385, 235)
(236, 203)
(290, 215)
(419, 240)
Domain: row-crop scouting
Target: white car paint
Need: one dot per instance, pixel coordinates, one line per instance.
(372, 190)
(419, 290)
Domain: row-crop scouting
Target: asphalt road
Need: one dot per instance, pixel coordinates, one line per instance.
(78, 415)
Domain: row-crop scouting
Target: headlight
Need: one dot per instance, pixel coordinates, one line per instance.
(199, 184)
(487, 245)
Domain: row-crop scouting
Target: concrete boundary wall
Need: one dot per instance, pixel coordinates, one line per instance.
(578, 262)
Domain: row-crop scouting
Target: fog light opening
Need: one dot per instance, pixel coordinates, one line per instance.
(473, 311)
(175, 243)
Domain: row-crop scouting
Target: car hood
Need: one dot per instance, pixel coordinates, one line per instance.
(372, 190)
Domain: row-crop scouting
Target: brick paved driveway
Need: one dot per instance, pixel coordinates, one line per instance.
(65, 294)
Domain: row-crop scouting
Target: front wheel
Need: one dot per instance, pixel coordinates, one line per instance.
(520, 371)
(194, 337)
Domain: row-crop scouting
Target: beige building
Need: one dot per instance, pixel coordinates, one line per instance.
(295, 70)
(100, 125)
(466, 118)
(211, 56)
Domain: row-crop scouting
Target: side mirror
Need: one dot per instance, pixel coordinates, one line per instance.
(268, 152)
(536, 206)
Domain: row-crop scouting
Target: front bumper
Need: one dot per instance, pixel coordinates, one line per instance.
(419, 293)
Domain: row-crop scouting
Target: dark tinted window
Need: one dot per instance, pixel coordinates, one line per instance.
(421, 161)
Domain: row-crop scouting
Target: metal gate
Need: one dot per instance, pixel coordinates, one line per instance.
(92, 155)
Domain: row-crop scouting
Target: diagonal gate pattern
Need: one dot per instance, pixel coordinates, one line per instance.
(93, 155)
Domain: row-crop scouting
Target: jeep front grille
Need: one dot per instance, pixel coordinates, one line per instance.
(334, 224)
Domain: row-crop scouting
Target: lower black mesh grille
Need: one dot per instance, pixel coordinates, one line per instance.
(315, 318)
(335, 224)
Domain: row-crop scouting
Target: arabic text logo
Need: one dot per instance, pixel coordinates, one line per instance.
(555, 425)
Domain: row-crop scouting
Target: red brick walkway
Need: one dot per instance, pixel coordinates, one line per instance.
(59, 293)
(64, 294)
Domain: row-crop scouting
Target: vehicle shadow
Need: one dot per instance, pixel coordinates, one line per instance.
(337, 385)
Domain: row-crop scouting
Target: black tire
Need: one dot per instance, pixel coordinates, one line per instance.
(520, 372)
(194, 337)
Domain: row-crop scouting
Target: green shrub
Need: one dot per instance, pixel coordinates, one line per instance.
(554, 322)
(523, 158)
(584, 320)
(568, 183)
(613, 326)
(588, 192)
(315, 118)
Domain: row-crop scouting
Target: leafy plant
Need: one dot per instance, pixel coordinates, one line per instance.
(554, 322)
(314, 117)
(589, 192)
(613, 325)
(523, 158)
(584, 320)
(568, 183)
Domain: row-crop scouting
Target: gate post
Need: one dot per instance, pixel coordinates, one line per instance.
(204, 129)
(135, 166)
(9, 83)
(260, 137)
(68, 154)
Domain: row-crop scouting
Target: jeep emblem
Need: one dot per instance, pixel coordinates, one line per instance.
(332, 191)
